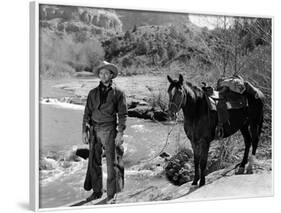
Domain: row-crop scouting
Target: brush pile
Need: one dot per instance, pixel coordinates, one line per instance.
(179, 169)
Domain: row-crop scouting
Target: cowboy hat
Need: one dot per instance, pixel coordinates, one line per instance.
(111, 67)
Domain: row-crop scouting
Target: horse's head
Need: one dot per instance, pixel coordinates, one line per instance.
(176, 95)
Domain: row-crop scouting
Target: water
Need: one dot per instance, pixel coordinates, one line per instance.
(62, 174)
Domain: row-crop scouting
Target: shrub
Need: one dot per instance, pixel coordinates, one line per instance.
(61, 54)
(158, 99)
(55, 69)
(126, 62)
(141, 47)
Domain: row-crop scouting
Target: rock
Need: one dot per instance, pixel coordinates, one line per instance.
(160, 116)
(140, 112)
(76, 19)
(47, 164)
(83, 153)
(133, 103)
(146, 112)
(165, 155)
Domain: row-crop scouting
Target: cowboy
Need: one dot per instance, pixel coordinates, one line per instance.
(106, 113)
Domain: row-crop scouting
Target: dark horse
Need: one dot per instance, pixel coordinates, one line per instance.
(200, 123)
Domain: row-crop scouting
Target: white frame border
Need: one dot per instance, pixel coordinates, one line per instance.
(34, 92)
(34, 106)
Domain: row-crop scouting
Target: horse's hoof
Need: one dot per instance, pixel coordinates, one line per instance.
(194, 183)
(249, 171)
(240, 171)
(192, 187)
(202, 183)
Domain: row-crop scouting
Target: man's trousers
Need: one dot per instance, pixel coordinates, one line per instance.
(103, 138)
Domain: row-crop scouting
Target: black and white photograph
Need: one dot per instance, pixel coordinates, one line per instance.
(142, 106)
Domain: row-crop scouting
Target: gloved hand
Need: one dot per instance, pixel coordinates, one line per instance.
(119, 139)
(85, 138)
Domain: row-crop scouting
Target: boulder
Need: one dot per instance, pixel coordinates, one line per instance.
(140, 112)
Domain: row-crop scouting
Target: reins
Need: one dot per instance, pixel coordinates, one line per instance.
(169, 132)
(166, 141)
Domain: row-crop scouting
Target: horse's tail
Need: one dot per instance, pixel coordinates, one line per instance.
(261, 122)
(261, 97)
(256, 101)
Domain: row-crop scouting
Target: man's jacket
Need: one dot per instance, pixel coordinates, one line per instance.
(104, 107)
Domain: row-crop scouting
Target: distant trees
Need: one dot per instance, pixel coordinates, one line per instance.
(242, 47)
(61, 57)
(228, 45)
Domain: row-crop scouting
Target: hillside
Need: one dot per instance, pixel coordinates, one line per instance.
(69, 19)
(74, 39)
(154, 46)
(131, 18)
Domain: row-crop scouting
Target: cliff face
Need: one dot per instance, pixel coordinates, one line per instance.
(98, 21)
(70, 19)
(78, 38)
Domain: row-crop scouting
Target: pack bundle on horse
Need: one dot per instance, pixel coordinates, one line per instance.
(201, 119)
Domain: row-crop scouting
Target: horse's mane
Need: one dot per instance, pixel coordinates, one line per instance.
(193, 90)
(196, 101)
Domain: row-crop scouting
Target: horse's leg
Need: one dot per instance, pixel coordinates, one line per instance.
(255, 131)
(204, 147)
(256, 122)
(247, 140)
(196, 154)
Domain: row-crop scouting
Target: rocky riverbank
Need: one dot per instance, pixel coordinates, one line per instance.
(144, 94)
(164, 177)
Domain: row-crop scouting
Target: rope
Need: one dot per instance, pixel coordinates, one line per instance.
(163, 148)
(166, 141)
(170, 131)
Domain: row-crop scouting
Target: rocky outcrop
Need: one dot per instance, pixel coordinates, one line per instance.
(74, 19)
(136, 108)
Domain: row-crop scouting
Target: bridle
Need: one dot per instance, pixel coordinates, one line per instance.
(180, 105)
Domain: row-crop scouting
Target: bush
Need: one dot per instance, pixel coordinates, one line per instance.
(158, 99)
(55, 69)
(141, 47)
(61, 54)
(126, 62)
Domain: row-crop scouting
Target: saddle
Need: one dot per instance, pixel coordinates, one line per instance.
(222, 101)
(232, 99)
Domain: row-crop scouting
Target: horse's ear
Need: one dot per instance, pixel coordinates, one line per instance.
(181, 79)
(169, 79)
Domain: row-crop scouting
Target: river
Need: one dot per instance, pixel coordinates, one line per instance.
(61, 179)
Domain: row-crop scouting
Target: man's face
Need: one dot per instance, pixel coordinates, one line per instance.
(105, 76)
